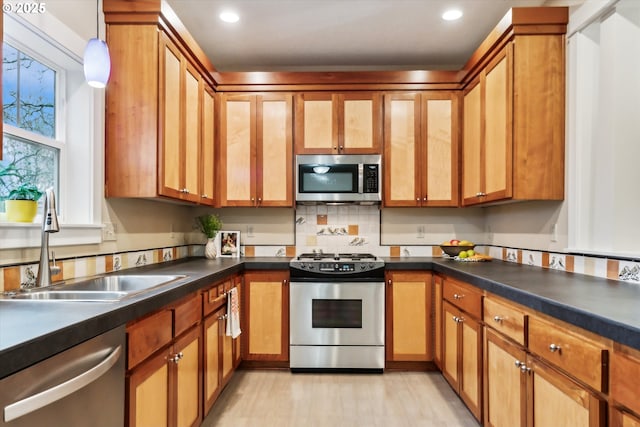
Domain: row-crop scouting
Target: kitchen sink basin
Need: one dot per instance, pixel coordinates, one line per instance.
(109, 288)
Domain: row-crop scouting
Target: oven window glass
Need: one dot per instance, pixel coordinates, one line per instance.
(336, 313)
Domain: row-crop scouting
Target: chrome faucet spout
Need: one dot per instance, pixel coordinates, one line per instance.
(49, 225)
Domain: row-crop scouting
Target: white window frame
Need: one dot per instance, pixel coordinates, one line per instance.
(81, 168)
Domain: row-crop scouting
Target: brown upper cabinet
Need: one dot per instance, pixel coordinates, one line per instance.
(256, 149)
(159, 113)
(343, 123)
(513, 129)
(421, 149)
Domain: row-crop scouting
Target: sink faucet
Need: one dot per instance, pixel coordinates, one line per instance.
(49, 225)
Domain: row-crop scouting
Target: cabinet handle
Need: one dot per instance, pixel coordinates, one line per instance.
(458, 319)
(204, 196)
(497, 319)
(341, 147)
(458, 296)
(553, 348)
(176, 357)
(481, 194)
(520, 364)
(524, 369)
(284, 282)
(389, 282)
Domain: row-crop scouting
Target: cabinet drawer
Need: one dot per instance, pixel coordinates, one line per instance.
(148, 335)
(463, 296)
(575, 353)
(186, 314)
(215, 297)
(505, 319)
(625, 376)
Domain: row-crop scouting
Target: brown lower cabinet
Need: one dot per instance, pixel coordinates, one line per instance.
(266, 316)
(408, 316)
(462, 342)
(163, 384)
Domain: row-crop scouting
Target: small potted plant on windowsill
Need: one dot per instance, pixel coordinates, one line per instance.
(22, 203)
(209, 225)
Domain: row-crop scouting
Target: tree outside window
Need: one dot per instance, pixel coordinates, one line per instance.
(28, 103)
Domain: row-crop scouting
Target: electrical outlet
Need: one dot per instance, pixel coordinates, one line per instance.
(108, 232)
(420, 232)
(554, 232)
(249, 230)
(172, 234)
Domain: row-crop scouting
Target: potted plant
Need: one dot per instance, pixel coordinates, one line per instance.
(22, 203)
(209, 225)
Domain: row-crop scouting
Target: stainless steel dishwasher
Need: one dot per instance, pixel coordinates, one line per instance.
(82, 386)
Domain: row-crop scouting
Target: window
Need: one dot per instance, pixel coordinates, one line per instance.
(604, 130)
(28, 105)
(53, 129)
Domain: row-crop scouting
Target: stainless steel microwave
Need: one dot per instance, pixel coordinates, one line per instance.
(339, 178)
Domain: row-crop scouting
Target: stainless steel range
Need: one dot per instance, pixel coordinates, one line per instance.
(336, 312)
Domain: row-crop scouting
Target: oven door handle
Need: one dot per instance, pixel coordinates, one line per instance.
(62, 390)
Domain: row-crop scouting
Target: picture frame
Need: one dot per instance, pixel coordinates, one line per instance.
(228, 244)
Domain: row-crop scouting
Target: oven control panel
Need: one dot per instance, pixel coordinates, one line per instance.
(336, 267)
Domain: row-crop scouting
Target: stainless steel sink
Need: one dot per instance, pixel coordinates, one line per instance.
(86, 296)
(109, 288)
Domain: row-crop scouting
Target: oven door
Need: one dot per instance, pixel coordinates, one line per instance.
(339, 313)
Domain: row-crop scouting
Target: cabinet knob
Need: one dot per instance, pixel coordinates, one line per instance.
(176, 357)
(497, 319)
(424, 199)
(204, 196)
(519, 364)
(458, 296)
(417, 199)
(342, 147)
(389, 282)
(524, 369)
(553, 348)
(335, 147)
(481, 194)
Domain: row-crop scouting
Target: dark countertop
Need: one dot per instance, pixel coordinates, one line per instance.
(33, 331)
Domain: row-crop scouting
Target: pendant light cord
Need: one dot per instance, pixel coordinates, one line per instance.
(98, 19)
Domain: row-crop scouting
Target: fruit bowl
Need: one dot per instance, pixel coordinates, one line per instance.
(454, 250)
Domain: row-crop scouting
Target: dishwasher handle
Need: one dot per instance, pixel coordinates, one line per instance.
(62, 390)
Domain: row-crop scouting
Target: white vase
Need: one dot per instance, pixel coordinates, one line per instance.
(210, 249)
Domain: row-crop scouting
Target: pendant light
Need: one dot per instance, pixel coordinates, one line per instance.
(97, 63)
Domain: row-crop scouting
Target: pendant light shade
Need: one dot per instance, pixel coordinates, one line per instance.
(97, 63)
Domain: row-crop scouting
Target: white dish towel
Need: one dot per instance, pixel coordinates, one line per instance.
(233, 314)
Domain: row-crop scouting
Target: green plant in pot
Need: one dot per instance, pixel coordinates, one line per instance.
(22, 203)
(209, 225)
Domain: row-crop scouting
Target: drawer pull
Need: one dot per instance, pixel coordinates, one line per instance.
(553, 348)
(498, 319)
(458, 296)
(176, 357)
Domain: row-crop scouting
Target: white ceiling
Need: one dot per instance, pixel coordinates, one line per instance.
(327, 35)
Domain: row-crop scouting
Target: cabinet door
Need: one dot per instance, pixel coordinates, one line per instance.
(316, 124)
(437, 320)
(505, 384)
(450, 345)
(192, 120)
(497, 160)
(171, 76)
(274, 150)
(360, 123)
(148, 393)
(409, 319)
(267, 316)
(207, 163)
(211, 359)
(227, 350)
(186, 360)
(237, 150)
(472, 179)
(439, 173)
(471, 364)
(558, 401)
(401, 150)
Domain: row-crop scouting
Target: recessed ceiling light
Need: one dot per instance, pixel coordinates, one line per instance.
(452, 15)
(229, 16)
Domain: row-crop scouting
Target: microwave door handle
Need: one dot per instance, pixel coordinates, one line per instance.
(360, 178)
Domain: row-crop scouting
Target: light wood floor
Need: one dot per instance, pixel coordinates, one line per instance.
(393, 399)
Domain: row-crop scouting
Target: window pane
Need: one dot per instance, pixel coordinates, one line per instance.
(27, 162)
(28, 92)
(9, 85)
